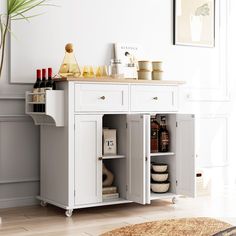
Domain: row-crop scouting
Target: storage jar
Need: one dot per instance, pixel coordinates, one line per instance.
(145, 65)
(157, 65)
(144, 75)
(157, 75)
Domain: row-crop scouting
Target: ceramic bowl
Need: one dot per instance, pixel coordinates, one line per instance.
(160, 168)
(160, 177)
(160, 187)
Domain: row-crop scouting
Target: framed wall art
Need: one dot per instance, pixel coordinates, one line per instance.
(194, 23)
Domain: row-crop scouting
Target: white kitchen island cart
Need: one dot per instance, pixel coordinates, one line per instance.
(71, 152)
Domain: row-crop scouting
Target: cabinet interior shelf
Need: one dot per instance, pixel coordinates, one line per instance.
(115, 201)
(162, 154)
(155, 196)
(36, 113)
(36, 103)
(106, 157)
(36, 93)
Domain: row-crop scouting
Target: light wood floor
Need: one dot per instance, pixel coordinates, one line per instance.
(51, 221)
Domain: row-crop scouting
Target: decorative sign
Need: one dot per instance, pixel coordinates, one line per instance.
(129, 54)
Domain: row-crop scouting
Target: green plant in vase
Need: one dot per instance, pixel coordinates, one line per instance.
(16, 10)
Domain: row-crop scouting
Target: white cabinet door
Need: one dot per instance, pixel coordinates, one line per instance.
(136, 158)
(88, 168)
(185, 155)
(148, 158)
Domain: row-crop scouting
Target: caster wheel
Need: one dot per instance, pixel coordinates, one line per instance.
(174, 200)
(68, 213)
(43, 204)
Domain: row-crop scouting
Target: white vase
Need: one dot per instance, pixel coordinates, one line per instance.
(196, 28)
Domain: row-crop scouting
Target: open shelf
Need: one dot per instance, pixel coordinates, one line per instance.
(36, 113)
(162, 154)
(107, 203)
(36, 103)
(54, 108)
(107, 157)
(155, 196)
(29, 93)
(115, 201)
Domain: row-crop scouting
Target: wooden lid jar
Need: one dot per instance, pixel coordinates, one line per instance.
(157, 75)
(157, 65)
(145, 75)
(145, 65)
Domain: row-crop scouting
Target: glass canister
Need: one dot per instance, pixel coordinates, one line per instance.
(116, 68)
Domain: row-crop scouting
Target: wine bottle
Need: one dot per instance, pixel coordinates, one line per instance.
(36, 90)
(163, 136)
(154, 135)
(43, 91)
(50, 82)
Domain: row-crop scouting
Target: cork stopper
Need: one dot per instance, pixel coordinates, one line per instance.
(69, 47)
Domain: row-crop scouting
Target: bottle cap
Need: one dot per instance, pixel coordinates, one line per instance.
(44, 73)
(39, 74)
(50, 72)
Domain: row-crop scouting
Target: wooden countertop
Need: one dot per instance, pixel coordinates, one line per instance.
(116, 80)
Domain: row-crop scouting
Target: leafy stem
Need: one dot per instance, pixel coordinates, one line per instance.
(3, 43)
(16, 10)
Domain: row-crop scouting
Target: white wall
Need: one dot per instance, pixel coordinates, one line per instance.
(19, 149)
(94, 25)
(102, 23)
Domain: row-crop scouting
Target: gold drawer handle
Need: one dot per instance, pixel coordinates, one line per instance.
(155, 98)
(103, 97)
(100, 158)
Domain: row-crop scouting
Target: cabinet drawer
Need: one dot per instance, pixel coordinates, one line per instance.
(154, 98)
(101, 97)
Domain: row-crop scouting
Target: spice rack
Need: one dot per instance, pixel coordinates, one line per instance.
(54, 108)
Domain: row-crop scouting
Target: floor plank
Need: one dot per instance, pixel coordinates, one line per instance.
(50, 221)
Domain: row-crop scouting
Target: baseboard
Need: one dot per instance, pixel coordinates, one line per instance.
(18, 202)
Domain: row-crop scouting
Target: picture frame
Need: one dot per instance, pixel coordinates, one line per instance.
(194, 23)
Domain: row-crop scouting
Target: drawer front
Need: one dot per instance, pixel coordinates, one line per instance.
(101, 97)
(154, 98)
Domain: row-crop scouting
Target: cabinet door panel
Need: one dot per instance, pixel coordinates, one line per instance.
(148, 159)
(136, 159)
(88, 169)
(185, 154)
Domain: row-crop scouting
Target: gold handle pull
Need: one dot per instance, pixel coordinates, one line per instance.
(103, 97)
(155, 98)
(100, 158)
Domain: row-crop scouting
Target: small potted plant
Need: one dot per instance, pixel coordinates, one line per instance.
(16, 10)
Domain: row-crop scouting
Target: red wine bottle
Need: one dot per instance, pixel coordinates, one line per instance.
(53, 82)
(164, 136)
(43, 90)
(50, 82)
(154, 135)
(36, 90)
